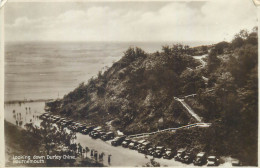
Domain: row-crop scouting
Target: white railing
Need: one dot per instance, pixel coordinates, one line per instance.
(171, 129)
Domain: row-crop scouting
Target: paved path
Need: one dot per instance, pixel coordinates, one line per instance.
(189, 109)
(172, 129)
(200, 58)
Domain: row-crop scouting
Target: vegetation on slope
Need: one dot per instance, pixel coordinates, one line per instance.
(137, 92)
(128, 92)
(232, 104)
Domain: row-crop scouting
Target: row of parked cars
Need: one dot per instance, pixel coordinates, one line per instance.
(93, 131)
(99, 133)
(182, 155)
(142, 146)
(145, 147)
(199, 159)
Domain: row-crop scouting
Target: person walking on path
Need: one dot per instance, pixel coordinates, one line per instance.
(95, 155)
(91, 152)
(109, 158)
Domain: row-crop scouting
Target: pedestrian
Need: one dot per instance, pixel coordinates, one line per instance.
(91, 153)
(101, 156)
(109, 158)
(95, 155)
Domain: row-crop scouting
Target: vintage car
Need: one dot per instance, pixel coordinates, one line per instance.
(200, 159)
(139, 144)
(180, 155)
(87, 130)
(95, 134)
(81, 127)
(150, 151)
(132, 144)
(144, 147)
(236, 162)
(189, 157)
(169, 153)
(126, 142)
(108, 136)
(44, 116)
(118, 141)
(159, 150)
(212, 161)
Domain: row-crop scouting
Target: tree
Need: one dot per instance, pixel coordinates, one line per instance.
(213, 61)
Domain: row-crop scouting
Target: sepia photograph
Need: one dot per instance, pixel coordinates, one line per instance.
(130, 83)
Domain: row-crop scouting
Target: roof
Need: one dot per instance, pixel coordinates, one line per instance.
(212, 157)
(181, 150)
(159, 147)
(142, 141)
(201, 154)
(146, 143)
(235, 161)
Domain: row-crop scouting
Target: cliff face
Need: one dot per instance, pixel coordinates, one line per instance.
(135, 94)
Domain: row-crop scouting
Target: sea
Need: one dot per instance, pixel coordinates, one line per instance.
(49, 70)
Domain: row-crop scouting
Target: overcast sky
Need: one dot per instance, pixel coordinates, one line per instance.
(213, 20)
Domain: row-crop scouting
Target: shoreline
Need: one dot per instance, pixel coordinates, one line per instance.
(26, 101)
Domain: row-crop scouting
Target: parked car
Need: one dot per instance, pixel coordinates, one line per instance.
(95, 135)
(212, 161)
(118, 141)
(71, 125)
(44, 116)
(61, 120)
(98, 134)
(126, 142)
(87, 130)
(151, 150)
(200, 159)
(169, 153)
(139, 144)
(189, 157)
(108, 136)
(159, 150)
(55, 118)
(94, 131)
(81, 127)
(144, 147)
(236, 162)
(180, 155)
(65, 123)
(132, 144)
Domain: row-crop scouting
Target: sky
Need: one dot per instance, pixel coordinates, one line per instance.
(213, 20)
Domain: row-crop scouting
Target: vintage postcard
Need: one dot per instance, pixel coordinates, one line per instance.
(130, 83)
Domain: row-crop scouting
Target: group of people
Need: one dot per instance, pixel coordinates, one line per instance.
(94, 154)
(19, 119)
